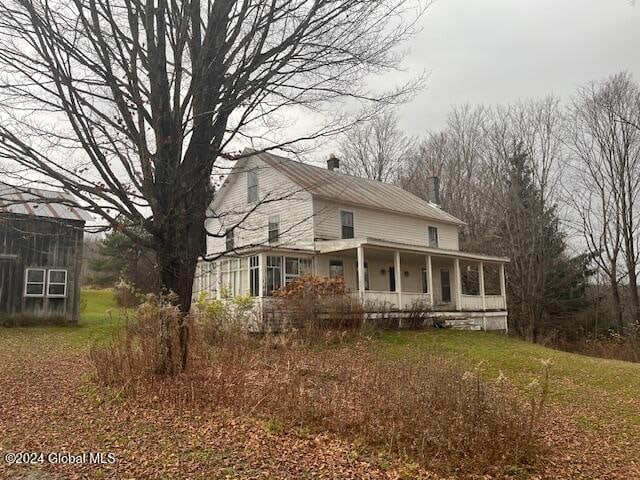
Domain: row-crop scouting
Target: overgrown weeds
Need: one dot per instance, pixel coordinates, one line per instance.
(611, 346)
(444, 416)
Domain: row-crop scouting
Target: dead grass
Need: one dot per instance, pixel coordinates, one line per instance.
(443, 417)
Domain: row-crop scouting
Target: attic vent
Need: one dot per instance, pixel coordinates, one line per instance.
(333, 163)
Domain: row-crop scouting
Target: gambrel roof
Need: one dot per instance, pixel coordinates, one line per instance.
(340, 187)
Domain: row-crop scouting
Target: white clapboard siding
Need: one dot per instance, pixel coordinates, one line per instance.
(381, 225)
(278, 196)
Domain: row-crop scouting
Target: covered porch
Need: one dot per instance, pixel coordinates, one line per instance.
(404, 277)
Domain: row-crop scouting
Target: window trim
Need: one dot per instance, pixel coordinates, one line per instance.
(437, 245)
(353, 225)
(43, 283)
(49, 282)
(251, 174)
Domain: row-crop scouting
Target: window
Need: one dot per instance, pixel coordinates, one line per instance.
(34, 282)
(425, 281)
(274, 228)
(39, 281)
(230, 241)
(274, 274)
(296, 267)
(336, 269)
(366, 276)
(57, 283)
(252, 186)
(254, 275)
(346, 219)
(433, 237)
(305, 266)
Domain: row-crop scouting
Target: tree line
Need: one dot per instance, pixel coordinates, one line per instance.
(551, 183)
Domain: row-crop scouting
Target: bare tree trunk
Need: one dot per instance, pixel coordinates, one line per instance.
(617, 304)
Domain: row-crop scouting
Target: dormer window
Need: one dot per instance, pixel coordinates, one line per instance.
(346, 220)
(433, 236)
(252, 186)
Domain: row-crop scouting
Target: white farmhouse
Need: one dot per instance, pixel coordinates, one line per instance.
(275, 219)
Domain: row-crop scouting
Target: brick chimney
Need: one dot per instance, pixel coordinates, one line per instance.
(433, 189)
(333, 163)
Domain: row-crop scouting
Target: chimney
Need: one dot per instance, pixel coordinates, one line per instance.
(333, 163)
(433, 189)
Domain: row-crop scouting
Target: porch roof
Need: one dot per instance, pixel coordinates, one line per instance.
(330, 246)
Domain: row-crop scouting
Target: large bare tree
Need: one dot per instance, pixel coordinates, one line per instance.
(130, 104)
(606, 174)
(377, 149)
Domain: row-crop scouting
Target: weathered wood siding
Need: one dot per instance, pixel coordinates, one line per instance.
(38, 242)
(381, 225)
(278, 196)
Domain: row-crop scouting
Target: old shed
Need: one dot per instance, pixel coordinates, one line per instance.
(41, 237)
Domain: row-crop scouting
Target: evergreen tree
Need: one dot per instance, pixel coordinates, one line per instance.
(545, 283)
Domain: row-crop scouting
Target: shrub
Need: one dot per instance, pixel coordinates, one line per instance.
(223, 319)
(134, 353)
(314, 305)
(126, 295)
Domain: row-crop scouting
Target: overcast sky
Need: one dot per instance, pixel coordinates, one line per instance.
(495, 51)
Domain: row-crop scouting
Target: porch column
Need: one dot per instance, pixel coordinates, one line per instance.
(219, 279)
(503, 285)
(458, 280)
(398, 274)
(261, 264)
(481, 282)
(361, 285)
(430, 279)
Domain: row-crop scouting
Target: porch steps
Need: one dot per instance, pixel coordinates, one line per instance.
(461, 323)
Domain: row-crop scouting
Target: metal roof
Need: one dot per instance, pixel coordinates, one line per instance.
(337, 186)
(38, 202)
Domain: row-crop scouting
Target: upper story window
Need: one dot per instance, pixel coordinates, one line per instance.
(274, 228)
(346, 221)
(230, 240)
(433, 236)
(252, 186)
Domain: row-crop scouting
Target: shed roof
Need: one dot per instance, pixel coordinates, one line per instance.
(337, 186)
(38, 202)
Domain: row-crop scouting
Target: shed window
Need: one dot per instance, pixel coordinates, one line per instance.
(57, 283)
(346, 220)
(433, 237)
(252, 186)
(274, 228)
(34, 282)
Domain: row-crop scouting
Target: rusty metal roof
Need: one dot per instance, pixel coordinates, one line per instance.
(337, 186)
(38, 202)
